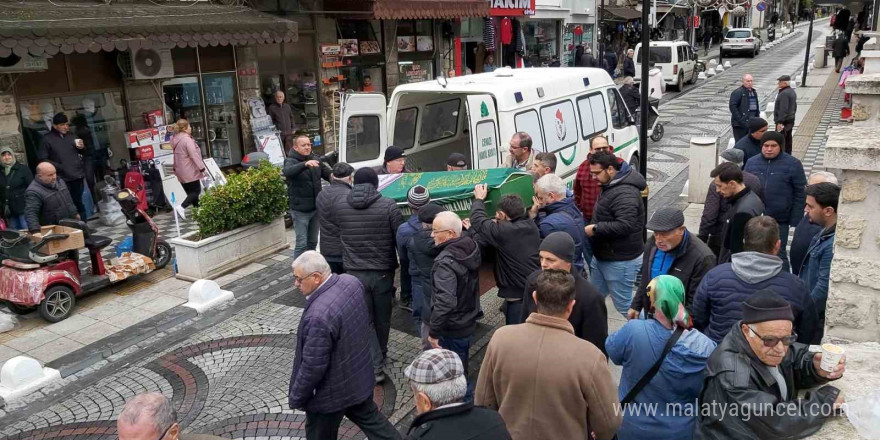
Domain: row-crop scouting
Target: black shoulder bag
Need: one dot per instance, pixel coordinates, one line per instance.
(654, 368)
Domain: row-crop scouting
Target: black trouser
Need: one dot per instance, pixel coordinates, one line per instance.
(787, 129)
(193, 189)
(336, 267)
(365, 415)
(75, 188)
(739, 133)
(378, 293)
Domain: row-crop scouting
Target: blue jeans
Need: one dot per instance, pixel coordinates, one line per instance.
(305, 227)
(783, 239)
(461, 347)
(616, 278)
(17, 222)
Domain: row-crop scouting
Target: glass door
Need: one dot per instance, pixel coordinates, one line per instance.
(221, 115)
(183, 100)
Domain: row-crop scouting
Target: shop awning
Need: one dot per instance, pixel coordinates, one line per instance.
(40, 28)
(410, 9)
(625, 14)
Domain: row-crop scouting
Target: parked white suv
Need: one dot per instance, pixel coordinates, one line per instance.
(742, 40)
(676, 59)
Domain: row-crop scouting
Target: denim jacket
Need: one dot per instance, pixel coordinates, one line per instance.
(816, 268)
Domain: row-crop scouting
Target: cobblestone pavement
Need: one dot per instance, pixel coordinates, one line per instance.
(227, 374)
(703, 111)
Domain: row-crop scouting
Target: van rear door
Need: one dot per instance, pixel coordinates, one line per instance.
(483, 124)
(363, 131)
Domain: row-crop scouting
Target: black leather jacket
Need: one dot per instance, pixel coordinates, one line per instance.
(736, 380)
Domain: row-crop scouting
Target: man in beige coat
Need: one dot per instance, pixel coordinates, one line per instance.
(545, 381)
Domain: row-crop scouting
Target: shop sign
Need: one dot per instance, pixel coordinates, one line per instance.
(331, 49)
(414, 73)
(507, 8)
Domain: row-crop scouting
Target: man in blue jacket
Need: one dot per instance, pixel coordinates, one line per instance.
(332, 371)
(822, 209)
(806, 230)
(782, 177)
(553, 211)
(410, 287)
(751, 144)
(744, 106)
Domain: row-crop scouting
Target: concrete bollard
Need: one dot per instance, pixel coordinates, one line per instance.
(712, 63)
(727, 64)
(205, 295)
(719, 69)
(702, 75)
(703, 159)
(21, 376)
(711, 72)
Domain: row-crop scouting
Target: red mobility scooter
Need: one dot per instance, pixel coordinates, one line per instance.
(30, 279)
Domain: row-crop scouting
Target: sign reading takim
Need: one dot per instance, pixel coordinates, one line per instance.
(498, 8)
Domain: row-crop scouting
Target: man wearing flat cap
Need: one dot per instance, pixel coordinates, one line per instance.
(784, 182)
(715, 207)
(672, 250)
(785, 110)
(751, 145)
(437, 380)
(754, 376)
(60, 148)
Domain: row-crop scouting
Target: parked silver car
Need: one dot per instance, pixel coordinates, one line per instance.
(741, 40)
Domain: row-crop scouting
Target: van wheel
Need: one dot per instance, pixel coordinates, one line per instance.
(693, 76)
(657, 133)
(680, 84)
(635, 163)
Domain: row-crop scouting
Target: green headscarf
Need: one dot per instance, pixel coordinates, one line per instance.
(667, 295)
(7, 168)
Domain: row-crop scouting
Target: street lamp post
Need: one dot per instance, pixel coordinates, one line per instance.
(645, 107)
(809, 41)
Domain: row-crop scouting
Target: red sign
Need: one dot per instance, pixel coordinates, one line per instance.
(511, 8)
(696, 19)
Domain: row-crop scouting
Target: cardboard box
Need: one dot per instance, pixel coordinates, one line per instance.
(75, 239)
(141, 138)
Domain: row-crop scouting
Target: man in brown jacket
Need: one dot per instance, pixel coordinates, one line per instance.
(544, 381)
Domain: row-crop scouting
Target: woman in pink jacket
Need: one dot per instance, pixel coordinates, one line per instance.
(188, 165)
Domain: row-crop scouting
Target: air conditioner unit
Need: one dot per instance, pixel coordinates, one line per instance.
(14, 63)
(152, 64)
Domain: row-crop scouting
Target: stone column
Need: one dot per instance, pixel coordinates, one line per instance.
(392, 73)
(865, 91)
(853, 308)
(10, 127)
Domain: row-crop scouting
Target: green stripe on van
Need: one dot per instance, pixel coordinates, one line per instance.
(569, 161)
(626, 144)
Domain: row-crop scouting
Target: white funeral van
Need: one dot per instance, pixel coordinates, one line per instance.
(476, 115)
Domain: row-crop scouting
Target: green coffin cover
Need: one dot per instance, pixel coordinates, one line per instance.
(455, 189)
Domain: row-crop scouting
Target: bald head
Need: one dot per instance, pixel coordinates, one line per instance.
(148, 416)
(822, 177)
(46, 173)
(747, 81)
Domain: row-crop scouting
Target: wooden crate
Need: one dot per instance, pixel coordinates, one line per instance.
(75, 239)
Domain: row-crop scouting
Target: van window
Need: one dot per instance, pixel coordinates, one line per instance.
(487, 145)
(561, 125)
(592, 112)
(405, 128)
(618, 108)
(362, 142)
(442, 120)
(690, 53)
(657, 55)
(528, 122)
(682, 54)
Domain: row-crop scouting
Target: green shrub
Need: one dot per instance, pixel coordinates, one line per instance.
(256, 195)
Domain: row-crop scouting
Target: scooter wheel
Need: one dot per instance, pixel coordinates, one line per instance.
(163, 254)
(657, 134)
(57, 304)
(19, 310)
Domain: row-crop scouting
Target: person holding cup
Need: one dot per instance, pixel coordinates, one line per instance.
(65, 151)
(754, 376)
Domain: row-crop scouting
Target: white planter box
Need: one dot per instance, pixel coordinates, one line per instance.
(217, 255)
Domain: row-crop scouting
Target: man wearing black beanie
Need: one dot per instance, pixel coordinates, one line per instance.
(751, 144)
(368, 223)
(589, 317)
(760, 370)
(784, 182)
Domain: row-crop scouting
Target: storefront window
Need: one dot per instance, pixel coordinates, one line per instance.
(302, 84)
(271, 70)
(183, 100)
(97, 118)
(542, 41)
(362, 55)
(221, 106)
(415, 50)
(362, 142)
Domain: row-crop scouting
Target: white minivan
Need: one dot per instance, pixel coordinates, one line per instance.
(476, 115)
(676, 59)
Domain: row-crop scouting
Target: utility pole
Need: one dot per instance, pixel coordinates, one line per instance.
(807, 55)
(645, 107)
(599, 36)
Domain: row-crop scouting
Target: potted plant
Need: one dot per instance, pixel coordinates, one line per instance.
(239, 223)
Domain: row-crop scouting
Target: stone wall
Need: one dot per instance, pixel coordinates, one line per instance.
(10, 127)
(142, 96)
(853, 308)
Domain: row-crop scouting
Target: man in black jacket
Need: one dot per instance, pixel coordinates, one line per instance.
(754, 376)
(744, 204)
(455, 283)
(715, 207)
(368, 223)
(744, 105)
(515, 238)
(629, 67)
(282, 117)
(304, 171)
(589, 316)
(65, 152)
(437, 378)
(47, 200)
(326, 203)
(784, 110)
(672, 250)
(616, 229)
(14, 181)
(630, 94)
(751, 145)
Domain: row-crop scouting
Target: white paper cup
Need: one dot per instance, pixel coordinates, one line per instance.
(79, 142)
(831, 355)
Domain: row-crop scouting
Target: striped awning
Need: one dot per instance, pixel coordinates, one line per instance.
(41, 28)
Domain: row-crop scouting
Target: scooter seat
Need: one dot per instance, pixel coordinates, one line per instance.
(98, 242)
